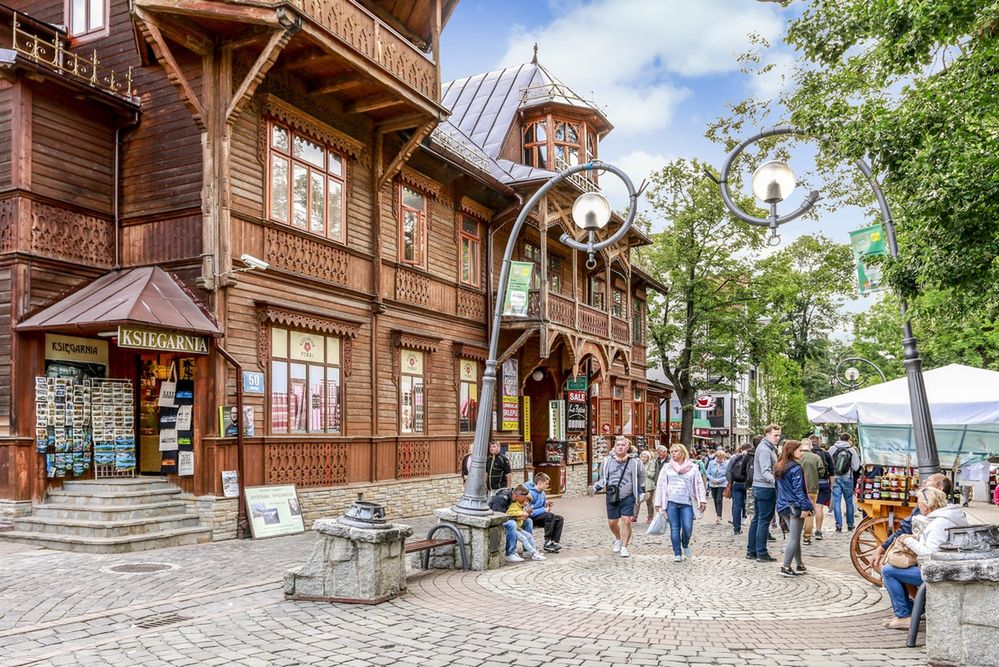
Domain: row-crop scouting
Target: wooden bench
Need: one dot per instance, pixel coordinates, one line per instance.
(430, 543)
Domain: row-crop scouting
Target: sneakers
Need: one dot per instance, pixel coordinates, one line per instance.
(818, 534)
(616, 546)
(537, 555)
(514, 558)
(750, 556)
(787, 572)
(899, 623)
(849, 528)
(624, 552)
(801, 568)
(552, 547)
(765, 558)
(839, 529)
(687, 552)
(807, 541)
(677, 559)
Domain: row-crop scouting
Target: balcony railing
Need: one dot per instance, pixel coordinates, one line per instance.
(53, 55)
(368, 35)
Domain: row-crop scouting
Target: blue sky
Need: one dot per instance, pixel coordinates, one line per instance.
(662, 69)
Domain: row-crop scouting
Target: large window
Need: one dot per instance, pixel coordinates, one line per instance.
(468, 395)
(595, 290)
(555, 274)
(412, 398)
(413, 227)
(568, 144)
(306, 388)
(557, 143)
(638, 323)
(471, 249)
(306, 183)
(87, 17)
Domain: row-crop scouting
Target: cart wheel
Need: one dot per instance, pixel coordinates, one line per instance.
(866, 538)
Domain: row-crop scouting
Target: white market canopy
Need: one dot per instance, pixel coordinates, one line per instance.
(964, 406)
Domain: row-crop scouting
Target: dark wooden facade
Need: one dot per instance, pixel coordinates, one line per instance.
(174, 170)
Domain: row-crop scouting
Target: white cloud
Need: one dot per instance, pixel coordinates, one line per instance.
(629, 54)
(638, 165)
(776, 80)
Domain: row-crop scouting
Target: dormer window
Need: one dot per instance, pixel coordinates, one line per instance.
(556, 143)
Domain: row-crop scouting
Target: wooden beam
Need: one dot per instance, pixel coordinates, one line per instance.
(407, 149)
(308, 61)
(517, 344)
(263, 64)
(406, 122)
(251, 37)
(337, 83)
(188, 37)
(175, 75)
(372, 103)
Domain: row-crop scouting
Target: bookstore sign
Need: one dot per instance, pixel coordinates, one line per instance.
(148, 339)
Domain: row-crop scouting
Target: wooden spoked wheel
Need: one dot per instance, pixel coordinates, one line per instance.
(871, 532)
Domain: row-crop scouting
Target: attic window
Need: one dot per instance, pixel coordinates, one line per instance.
(558, 143)
(536, 144)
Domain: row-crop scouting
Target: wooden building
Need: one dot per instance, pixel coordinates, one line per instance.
(276, 205)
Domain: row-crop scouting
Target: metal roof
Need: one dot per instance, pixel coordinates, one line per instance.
(484, 106)
(147, 295)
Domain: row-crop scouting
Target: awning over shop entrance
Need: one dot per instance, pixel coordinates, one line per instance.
(147, 295)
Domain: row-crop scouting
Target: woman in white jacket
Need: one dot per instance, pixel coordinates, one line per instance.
(939, 517)
(678, 490)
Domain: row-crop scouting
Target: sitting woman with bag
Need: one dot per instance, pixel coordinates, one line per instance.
(793, 503)
(680, 493)
(901, 567)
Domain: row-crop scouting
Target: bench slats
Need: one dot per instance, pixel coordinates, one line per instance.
(421, 545)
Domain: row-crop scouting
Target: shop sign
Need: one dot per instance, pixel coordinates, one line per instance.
(868, 242)
(253, 382)
(511, 413)
(706, 402)
(468, 370)
(307, 347)
(71, 348)
(518, 289)
(576, 396)
(146, 339)
(556, 420)
(710, 432)
(575, 417)
(577, 383)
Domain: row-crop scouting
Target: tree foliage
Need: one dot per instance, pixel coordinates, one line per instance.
(701, 330)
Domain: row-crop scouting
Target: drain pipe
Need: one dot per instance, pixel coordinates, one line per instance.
(242, 526)
(116, 196)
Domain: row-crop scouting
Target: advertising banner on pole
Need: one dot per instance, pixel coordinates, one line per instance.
(868, 242)
(518, 287)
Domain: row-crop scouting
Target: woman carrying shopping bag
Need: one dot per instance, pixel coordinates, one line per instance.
(680, 492)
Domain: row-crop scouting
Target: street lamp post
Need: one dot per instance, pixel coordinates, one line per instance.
(591, 211)
(772, 183)
(852, 373)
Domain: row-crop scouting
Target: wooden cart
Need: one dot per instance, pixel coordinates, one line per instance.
(883, 517)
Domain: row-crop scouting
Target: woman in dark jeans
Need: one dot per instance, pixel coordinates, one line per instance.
(793, 504)
(738, 471)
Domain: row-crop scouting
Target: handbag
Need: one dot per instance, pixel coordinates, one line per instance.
(614, 490)
(899, 555)
(727, 493)
(658, 525)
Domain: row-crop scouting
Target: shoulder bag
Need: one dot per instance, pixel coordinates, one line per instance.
(899, 555)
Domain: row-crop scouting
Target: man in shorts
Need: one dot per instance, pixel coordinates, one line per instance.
(623, 478)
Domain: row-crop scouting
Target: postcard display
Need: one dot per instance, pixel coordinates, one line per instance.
(77, 423)
(176, 422)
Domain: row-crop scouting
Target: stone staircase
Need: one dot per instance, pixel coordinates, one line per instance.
(110, 516)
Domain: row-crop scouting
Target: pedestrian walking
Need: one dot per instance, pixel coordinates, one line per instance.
(718, 480)
(793, 503)
(814, 469)
(739, 467)
(680, 492)
(824, 495)
(846, 463)
(764, 494)
(648, 498)
(623, 478)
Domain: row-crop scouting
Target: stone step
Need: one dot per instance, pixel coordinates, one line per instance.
(111, 545)
(123, 484)
(85, 528)
(107, 512)
(120, 498)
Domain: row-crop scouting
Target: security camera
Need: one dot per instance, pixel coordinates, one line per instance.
(252, 262)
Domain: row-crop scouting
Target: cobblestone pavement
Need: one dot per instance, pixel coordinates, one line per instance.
(222, 604)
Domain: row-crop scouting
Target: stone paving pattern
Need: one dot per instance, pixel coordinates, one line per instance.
(222, 604)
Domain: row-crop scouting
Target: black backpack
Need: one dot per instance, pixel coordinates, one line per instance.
(842, 461)
(739, 473)
(500, 502)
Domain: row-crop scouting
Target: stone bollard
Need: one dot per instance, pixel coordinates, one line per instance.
(484, 538)
(962, 600)
(353, 561)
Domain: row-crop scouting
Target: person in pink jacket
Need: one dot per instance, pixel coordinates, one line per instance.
(679, 490)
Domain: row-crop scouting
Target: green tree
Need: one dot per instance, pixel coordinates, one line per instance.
(701, 331)
(778, 397)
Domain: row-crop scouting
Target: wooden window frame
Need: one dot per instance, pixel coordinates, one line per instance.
(567, 145)
(638, 322)
(325, 364)
(328, 175)
(423, 378)
(87, 35)
(535, 260)
(593, 281)
(531, 148)
(555, 273)
(475, 242)
(618, 306)
(475, 402)
(420, 255)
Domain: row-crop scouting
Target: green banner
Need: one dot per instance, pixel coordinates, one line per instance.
(868, 242)
(518, 287)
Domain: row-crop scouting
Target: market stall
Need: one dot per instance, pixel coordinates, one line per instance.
(964, 406)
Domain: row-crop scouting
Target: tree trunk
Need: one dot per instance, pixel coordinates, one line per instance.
(686, 398)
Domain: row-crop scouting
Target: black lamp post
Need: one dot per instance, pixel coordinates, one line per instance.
(772, 183)
(591, 212)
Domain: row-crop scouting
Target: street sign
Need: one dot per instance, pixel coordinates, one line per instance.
(868, 242)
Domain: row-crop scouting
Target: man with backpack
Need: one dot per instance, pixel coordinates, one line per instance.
(845, 464)
(738, 475)
(825, 485)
